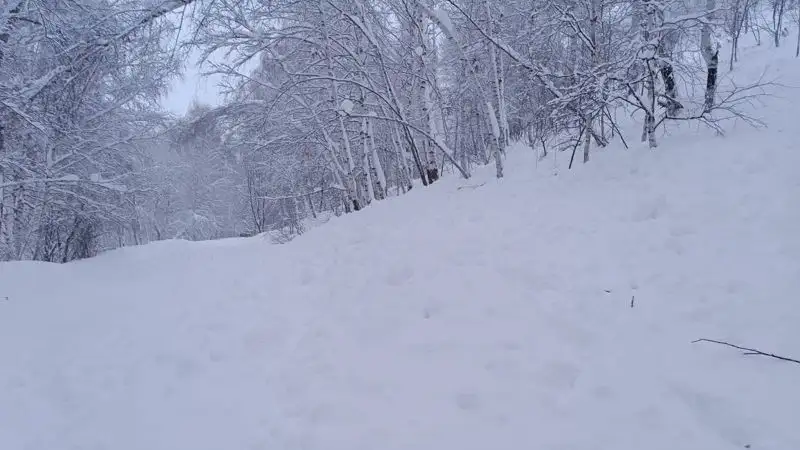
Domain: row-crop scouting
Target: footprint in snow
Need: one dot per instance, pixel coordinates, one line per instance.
(649, 209)
(307, 276)
(558, 375)
(717, 414)
(468, 401)
(398, 275)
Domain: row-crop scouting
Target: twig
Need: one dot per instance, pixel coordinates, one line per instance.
(748, 351)
(633, 298)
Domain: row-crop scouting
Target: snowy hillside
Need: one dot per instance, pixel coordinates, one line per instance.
(533, 312)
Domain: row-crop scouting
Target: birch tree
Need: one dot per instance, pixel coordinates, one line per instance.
(79, 86)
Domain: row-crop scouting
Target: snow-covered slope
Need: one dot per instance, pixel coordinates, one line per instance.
(476, 314)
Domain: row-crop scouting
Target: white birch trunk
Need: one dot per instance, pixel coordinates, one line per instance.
(423, 52)
(594, 13)
(498, 158)
(497, 81)
(367, 166)
(340, 174)
(650, 120)
(351, 182)
(380, 175)
(503, 110)
(402, 159)
(449, 34)
(797, 49)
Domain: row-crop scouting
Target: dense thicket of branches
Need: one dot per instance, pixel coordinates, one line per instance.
(330, 105)
(79, 87)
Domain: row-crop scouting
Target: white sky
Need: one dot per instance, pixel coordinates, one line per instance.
(191, 87)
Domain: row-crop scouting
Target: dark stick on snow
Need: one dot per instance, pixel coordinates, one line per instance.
(748, 351)
(633, 298)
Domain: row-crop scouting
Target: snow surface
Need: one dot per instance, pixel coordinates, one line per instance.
(477, 314)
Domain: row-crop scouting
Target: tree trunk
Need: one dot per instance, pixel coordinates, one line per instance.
(498, 157)
(649, 128)
(588, 142)
(404, 178)
(498, 84)
(369, 186)
(738, 16)
(711, 81)
(377, 167)
(711, 56)
(350, 182)
(797, 50)
(426, 99)
(777, 19)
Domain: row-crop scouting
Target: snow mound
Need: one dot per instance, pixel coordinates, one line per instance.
(551, 312)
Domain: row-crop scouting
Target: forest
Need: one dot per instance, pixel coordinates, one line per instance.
(329, 106)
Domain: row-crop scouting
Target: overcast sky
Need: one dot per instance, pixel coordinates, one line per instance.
(192, 87)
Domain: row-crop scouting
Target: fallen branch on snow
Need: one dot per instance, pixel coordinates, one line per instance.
(748, 351)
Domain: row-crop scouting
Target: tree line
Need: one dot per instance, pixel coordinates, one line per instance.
(329, 105)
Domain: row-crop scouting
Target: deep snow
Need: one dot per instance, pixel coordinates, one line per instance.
(477, 314)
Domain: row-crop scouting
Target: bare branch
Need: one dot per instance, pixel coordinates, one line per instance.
(748, 351)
